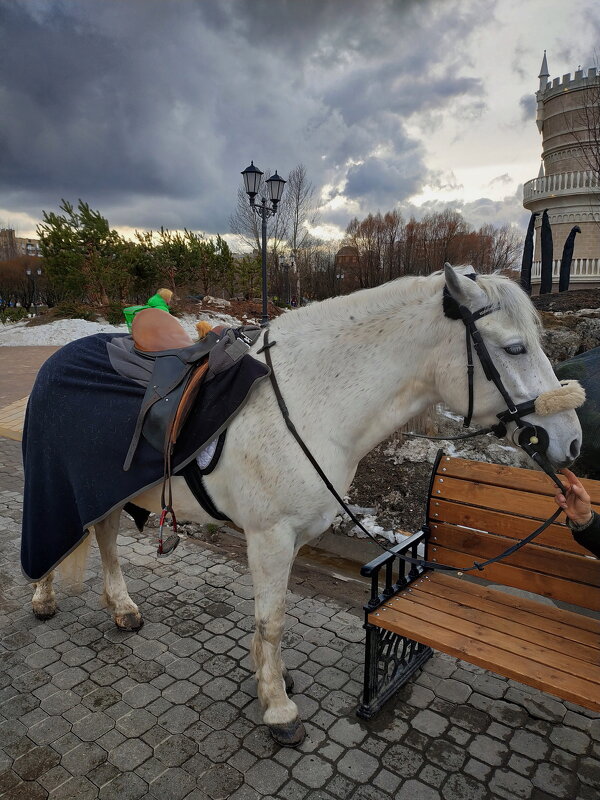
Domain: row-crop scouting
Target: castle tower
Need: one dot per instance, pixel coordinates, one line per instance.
(568, 183)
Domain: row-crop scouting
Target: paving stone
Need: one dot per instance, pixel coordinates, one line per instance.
(174, 784)
(477, 769)
(221, 781)
(136, 722)
(529, 745)
(454, 691)
(446, 755)
(430, 723)
(417, 790)
(357, 765)
(130, 754)
(555, 781)
(76, 788)
(589, 771)
(266, 777)
(83, 758)
(312, 771)
(33, 764)
(459, 787)
(572, 740)
(178, 719)
(488, 750)
(92, 726)
(49, 730)
(347, 732)
(125, 786)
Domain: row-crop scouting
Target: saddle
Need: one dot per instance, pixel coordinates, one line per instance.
(179, 368)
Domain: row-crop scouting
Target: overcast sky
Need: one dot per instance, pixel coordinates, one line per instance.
(149, 109)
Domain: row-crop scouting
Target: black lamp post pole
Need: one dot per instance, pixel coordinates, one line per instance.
(263, 215)
(252, 182)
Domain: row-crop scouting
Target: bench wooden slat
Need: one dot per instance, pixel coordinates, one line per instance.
(579, 569)
(508, 477)
(525, 504)
(569, 624)
(562, 684)
(524, 626)
(558, 536)
(546, 585)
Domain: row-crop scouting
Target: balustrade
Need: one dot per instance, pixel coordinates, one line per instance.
(581, 269)
(562, 183)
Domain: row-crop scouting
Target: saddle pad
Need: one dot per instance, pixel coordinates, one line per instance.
(79, 422)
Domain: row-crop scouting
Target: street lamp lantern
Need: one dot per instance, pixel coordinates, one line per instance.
(252, 181)
(252, 176)
(275, 184)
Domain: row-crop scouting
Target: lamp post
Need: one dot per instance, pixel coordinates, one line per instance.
(34, 275)
(252, 176)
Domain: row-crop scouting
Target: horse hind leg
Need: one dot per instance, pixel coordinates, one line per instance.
(44, 598)
(71, 571)
(270, 557)
(125, 612)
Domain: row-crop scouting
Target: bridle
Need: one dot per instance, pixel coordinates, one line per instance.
(531, 438)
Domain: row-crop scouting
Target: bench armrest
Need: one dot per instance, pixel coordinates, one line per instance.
(405, 572)
(367, 570)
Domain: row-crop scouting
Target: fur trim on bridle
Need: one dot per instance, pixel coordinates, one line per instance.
(569, 395)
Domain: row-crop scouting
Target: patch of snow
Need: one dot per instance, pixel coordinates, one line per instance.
(63, 331)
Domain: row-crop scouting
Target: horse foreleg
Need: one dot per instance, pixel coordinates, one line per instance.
(125, 612)
(44, 598)
(270, 557)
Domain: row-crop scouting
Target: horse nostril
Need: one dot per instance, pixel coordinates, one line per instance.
(574, 449)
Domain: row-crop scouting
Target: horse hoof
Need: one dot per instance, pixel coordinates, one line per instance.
(44, 613)
(289, 682)
(290, 734)
(129, 622)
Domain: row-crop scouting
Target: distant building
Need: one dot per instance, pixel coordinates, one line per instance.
(567, 185)
(12, 246)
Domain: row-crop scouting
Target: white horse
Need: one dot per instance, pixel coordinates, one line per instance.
(352, 370)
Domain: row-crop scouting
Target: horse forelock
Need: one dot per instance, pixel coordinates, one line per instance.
(513, 301)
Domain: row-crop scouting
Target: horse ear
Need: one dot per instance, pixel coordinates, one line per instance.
(463, 288)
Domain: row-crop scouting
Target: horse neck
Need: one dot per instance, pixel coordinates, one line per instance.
(354, 369)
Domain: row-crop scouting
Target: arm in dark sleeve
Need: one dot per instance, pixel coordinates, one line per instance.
(589, 537)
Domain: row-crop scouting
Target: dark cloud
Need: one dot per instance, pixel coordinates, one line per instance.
(149, 109)
(528, 106)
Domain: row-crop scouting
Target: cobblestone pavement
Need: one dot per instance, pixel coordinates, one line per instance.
(87, 711)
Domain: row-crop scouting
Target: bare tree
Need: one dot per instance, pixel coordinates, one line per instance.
(299, 208)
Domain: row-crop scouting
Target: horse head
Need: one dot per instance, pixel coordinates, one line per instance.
(511, 383)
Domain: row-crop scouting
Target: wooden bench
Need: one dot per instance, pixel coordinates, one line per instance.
(475, 511)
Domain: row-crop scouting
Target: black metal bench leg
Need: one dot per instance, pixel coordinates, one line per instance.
(390, 660)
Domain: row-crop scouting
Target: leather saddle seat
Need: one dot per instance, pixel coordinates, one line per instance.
(154, 330)
(179, 368)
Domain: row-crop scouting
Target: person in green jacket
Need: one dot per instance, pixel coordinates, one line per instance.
(161, 300)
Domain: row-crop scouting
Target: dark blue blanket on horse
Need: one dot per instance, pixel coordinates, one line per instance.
(80, 420)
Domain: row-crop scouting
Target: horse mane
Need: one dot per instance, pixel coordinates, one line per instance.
(398, 295)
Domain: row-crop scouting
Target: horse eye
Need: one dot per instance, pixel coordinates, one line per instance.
(515, 349)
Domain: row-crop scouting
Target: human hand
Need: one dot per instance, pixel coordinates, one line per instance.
(574, 501)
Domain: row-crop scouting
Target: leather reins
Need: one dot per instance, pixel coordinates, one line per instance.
(538, 437)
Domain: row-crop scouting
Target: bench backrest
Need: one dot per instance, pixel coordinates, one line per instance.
(476, 510)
